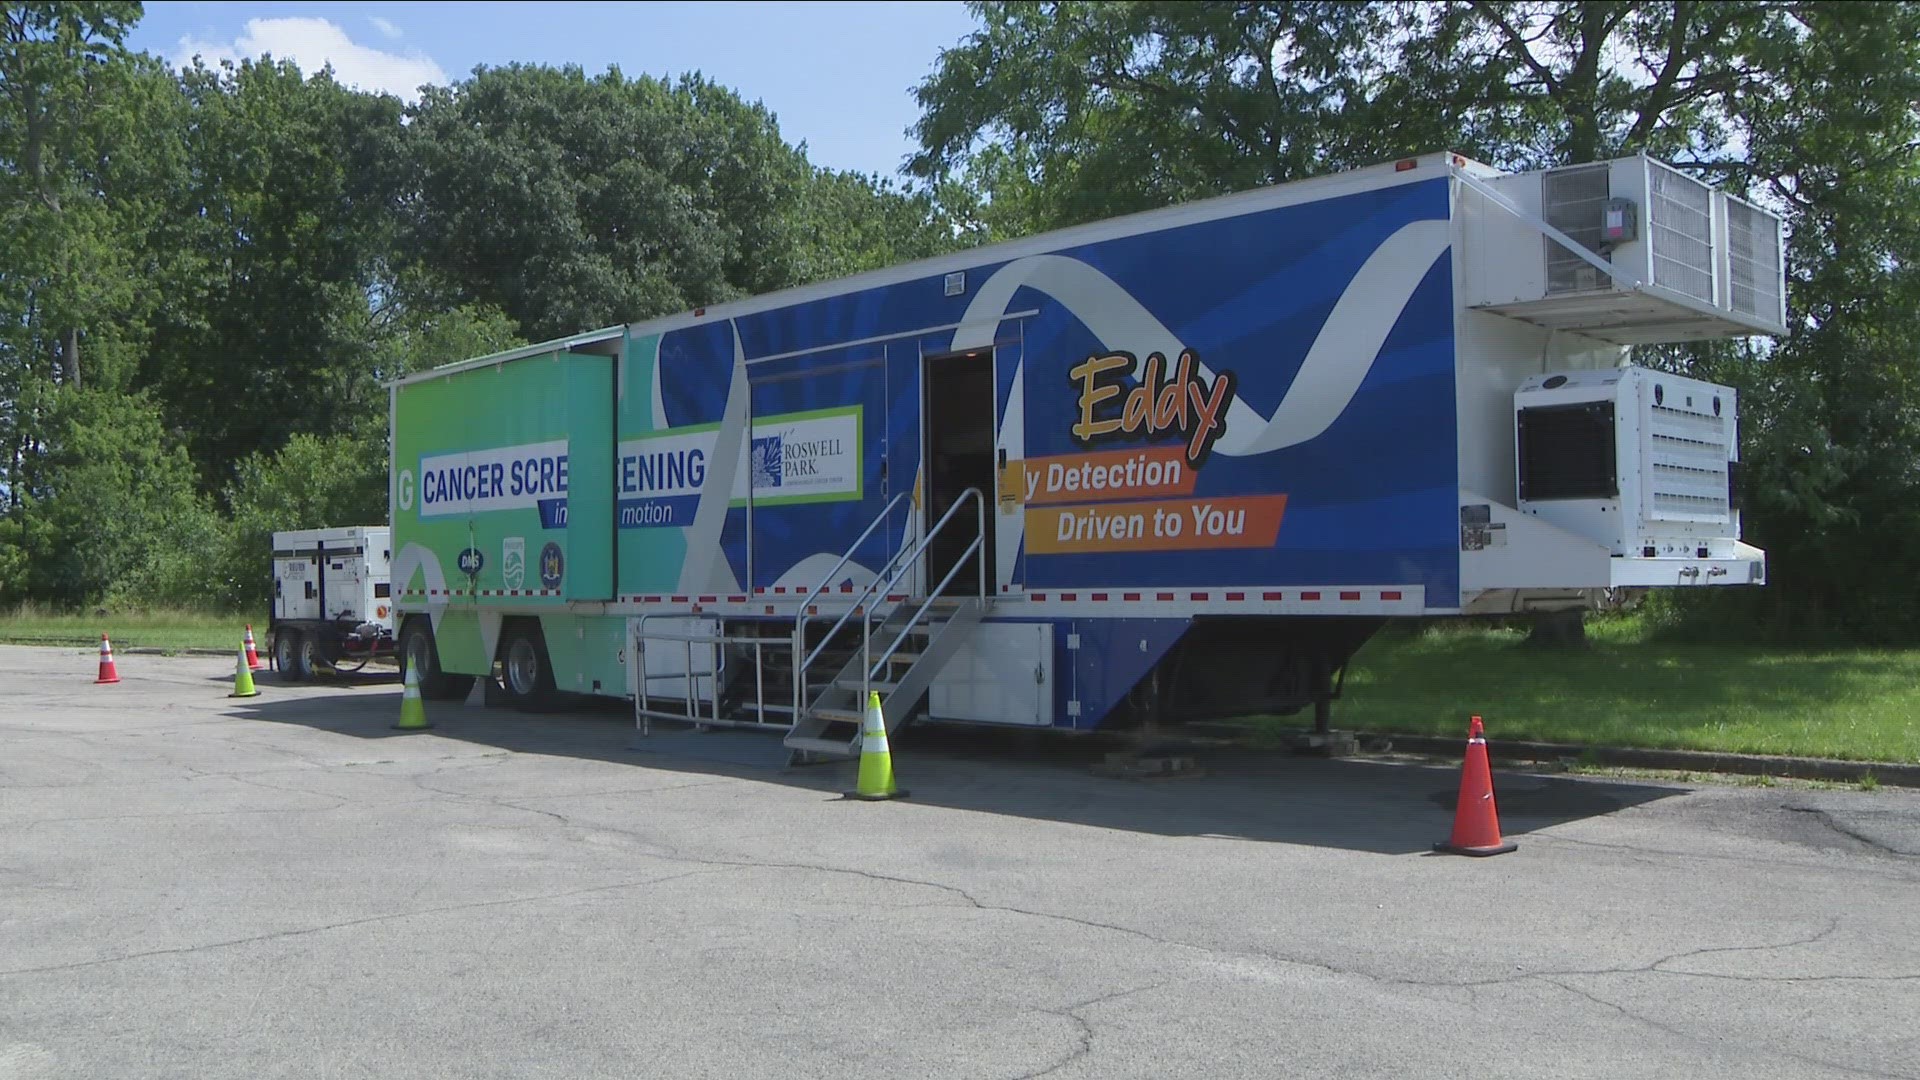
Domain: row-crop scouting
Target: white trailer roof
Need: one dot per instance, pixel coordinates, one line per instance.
(298, 539)
(1387, 174)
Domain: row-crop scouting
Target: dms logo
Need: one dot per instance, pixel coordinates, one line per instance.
(471, 561)
(768, 462)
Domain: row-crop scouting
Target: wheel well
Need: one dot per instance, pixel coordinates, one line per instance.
(528, 623)
(1232, 666)
(412, 621)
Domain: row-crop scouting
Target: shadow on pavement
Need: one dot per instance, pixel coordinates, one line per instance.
(1355, 804)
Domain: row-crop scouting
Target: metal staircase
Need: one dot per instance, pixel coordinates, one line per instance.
(903, 640)
(812, 680)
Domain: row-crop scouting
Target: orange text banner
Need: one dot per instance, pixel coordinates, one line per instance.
(1106, 474)
(1251, 521)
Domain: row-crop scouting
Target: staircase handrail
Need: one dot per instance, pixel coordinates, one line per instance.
(904, 560)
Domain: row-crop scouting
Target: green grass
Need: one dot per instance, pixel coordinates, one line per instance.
(158, 629)
(1638, 687)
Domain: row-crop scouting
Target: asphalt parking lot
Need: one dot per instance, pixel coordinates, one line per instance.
(195, 886)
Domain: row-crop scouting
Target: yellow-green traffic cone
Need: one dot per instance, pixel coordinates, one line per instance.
(243, 677)
(876, 759)
(413, 711)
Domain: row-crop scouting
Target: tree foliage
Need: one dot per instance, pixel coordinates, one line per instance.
(571, 201)
(106, 497)
(279, 232)
(243, 254)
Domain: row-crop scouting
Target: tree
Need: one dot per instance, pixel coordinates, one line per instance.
(106, 494)
(54, 58)
(282, 228)
(75, 200)
(850, 223)
(572, 202)
(1068, 112)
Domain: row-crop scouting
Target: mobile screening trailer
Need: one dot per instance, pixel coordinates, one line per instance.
(1174, 465)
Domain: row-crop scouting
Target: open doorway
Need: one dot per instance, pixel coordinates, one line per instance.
(957, 401)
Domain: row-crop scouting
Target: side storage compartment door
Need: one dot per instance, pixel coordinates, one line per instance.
(590, 483)
(1003, 674)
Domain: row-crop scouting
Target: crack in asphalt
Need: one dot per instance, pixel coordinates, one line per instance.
(391, 916)
(1071, 1013)
(1693, 1038)
(1889, 871)
(1826, 818)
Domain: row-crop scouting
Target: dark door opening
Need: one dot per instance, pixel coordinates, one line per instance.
(957, 401)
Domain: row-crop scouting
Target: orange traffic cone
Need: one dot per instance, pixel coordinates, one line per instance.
(253, 658)
(1476, 824)
(107, 671)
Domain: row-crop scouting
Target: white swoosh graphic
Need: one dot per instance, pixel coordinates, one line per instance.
(659, 403)
(809, 571)
(1345, 350)
(416, 558)
(705, 566)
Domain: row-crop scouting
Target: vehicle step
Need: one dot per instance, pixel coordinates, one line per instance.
(836, 747)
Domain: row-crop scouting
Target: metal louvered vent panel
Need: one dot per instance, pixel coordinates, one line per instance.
(1684, 452)
(1753, 261)
(1680, 229)
(1574, 201)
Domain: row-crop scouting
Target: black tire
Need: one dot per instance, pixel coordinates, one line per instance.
(292, 656)
(526, 675)
(416, 646)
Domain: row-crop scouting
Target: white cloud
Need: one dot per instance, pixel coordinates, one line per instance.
(314, 43)
(391, 31)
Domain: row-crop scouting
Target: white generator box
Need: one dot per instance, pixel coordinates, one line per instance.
(1639, 461)
(1661, 256)
(334, 575)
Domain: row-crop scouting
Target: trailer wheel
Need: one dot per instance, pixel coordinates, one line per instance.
(526, 674)
(418, 653)
(291, 656)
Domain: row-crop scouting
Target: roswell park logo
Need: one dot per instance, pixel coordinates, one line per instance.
(767, 462)
(781, 460)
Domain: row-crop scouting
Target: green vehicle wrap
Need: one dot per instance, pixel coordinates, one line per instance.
(503, 503)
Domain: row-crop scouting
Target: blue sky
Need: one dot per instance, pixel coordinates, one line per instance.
(838, 75)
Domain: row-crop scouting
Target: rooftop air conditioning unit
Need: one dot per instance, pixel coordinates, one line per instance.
(1630, 251)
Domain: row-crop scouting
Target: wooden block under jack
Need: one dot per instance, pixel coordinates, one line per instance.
(1124, 765)
(1325, 743)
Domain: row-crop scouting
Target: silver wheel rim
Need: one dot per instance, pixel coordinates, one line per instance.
(417, 655)
(523, 667)
(284, 654)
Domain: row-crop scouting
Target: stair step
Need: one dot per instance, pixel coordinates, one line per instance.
(839, 747)
(843, 716)
(853, 683)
